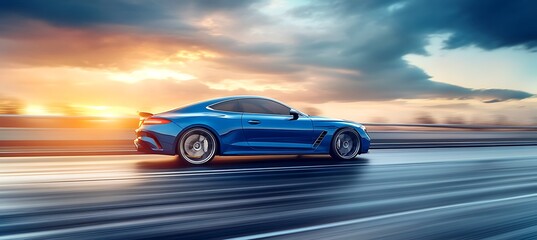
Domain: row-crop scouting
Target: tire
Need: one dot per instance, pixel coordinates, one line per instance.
(197, 146)
(345, 144)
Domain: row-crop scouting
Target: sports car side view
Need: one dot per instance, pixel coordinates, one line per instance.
(246, 125)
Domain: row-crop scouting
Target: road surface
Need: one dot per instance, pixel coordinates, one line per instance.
(425, 193)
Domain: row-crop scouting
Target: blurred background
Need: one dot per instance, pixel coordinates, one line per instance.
(387, 62)
(446, 89)
(381, 63)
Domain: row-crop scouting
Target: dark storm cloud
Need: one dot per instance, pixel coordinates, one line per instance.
(374, 36)
(364, 42)
(100, 12)
(488, 24)
(83, 13)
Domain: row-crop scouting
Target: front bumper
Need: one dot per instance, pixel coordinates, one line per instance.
(365, 142)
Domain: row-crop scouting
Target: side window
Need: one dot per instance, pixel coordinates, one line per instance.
(263, 106)
(230, 106)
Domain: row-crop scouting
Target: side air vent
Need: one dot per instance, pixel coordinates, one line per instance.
(319, 139)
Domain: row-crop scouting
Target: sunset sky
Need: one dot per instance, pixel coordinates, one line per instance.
(365, 60)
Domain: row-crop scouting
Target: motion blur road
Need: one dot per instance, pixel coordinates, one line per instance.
(431, 193)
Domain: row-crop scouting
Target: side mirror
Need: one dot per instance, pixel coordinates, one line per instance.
(294, 113)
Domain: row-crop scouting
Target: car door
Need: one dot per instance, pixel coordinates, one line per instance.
(268, 125)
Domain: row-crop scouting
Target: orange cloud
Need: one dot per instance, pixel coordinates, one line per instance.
(103, 48)
(130, 56)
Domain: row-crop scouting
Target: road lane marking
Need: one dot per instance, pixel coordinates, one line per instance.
(50, 233)
(379, 217)
(95, 157)
(202, 173)
(145, 175)
(329, 190)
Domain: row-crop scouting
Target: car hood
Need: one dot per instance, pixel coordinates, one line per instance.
(326, 119)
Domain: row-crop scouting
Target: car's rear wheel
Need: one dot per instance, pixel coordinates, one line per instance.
(345, 144)
(197, 146)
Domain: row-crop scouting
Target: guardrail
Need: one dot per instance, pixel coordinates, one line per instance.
(455, 126)
(91, 141)
(96, 134)
(26, 121)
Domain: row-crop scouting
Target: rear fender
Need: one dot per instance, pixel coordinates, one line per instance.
(210, 129)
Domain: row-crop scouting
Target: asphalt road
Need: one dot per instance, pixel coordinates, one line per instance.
(426, 193)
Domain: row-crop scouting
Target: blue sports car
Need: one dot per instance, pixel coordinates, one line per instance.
(246, 125)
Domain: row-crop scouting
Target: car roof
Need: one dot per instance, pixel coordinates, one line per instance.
(203, 104)
(215, 100)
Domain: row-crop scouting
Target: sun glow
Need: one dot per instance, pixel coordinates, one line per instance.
(36, 110)
(103, 111)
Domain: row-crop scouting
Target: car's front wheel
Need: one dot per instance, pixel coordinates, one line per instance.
(197, 146)
(345, 144)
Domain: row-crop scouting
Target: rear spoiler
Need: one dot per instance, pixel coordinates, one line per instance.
(144, 114)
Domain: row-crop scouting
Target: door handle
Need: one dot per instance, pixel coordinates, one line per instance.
(254, 122)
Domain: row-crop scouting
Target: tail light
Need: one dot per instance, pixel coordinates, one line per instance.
(155, 121)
